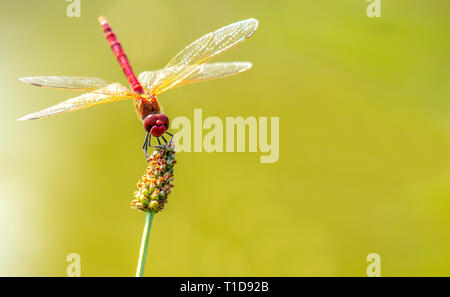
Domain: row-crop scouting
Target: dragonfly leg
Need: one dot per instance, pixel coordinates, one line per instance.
(149, 143)
(171, 137)
(154, 146)
(145, 145)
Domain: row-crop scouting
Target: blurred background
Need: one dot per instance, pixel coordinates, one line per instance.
(364, 142)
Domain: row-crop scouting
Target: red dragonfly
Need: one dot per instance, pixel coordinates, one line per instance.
(187, 67)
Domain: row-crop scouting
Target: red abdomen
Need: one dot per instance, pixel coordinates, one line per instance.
(116, 47)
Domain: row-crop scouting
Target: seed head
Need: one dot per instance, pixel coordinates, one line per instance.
(156, 183)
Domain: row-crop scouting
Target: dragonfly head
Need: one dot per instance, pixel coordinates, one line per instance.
(156, 124)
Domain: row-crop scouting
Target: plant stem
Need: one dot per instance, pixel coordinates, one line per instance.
(144, 244)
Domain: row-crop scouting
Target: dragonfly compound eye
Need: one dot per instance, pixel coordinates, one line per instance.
(156, 124)
(164, 120)
(150, 121)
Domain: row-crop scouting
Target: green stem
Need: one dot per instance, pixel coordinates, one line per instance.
(144, 244)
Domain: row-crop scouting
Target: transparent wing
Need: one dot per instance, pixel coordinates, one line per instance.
(204, 72)
(80, 83)
(111, 93)
(189, 60)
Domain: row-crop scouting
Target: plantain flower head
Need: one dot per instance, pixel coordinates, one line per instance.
(156, 183)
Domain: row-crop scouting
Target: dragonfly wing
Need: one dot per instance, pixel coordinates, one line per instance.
(204, 72)
(151, 79)
(189, 60)
(80, 83)
(111, 93)
(216, 70)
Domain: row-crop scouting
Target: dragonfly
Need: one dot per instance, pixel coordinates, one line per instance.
(189, 66)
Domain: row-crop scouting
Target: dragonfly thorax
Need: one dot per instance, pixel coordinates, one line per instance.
(156, 124)
(146, 106)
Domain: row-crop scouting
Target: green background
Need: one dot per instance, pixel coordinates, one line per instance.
(364, 142)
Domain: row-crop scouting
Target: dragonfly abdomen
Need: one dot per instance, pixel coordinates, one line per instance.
(120, 55)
